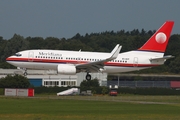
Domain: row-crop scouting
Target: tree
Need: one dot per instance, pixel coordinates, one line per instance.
(35, 42)
(77, 36)
(14, 81)
(143, 32)
(2, 46)
(90, 83)
(15, 44)
(104, 90)
(50, 43)
(175, 65)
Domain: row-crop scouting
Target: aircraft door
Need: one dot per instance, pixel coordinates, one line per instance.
(135, 62)
(30, 56)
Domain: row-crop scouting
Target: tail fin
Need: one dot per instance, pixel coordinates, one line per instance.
(160, 38)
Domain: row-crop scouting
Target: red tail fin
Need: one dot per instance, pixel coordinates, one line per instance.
(159, 40)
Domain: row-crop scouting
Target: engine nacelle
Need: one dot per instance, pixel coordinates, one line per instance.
(66, 69)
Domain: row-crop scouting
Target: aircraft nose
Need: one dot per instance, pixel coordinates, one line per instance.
(8, 59)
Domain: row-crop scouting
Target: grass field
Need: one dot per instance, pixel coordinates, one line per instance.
(90, 108)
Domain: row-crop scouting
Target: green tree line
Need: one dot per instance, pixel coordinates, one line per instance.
(14, 81)
(101, 42)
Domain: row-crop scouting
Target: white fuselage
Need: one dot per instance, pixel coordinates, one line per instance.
(50, 59)
(70, 62)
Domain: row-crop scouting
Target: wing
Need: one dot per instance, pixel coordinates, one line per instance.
(99, 65)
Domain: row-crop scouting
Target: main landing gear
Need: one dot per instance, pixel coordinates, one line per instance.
(24, 71)
(88, 76)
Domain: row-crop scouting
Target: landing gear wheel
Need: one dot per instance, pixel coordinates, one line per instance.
(88, 77)
(25, 73)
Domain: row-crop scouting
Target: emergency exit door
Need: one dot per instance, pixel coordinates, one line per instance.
(135, 62)
(30, 56)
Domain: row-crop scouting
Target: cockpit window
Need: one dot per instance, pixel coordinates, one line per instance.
(17, 54)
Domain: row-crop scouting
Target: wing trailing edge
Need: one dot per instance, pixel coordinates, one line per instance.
(97, 65)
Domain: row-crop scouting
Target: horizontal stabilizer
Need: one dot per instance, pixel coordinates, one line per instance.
(162, 58)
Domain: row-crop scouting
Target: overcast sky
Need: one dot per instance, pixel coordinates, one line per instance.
(66, 18)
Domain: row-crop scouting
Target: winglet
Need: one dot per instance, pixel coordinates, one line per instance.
(115, 48)
(114, 52)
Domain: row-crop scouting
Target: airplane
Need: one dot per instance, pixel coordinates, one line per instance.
(71, 62)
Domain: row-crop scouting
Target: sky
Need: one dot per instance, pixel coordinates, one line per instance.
(66, 18)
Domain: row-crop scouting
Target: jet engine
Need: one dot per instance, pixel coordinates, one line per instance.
(67, 69)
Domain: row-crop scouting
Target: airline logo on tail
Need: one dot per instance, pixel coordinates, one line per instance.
(159, 40)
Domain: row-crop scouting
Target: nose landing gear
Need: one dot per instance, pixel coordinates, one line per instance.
(25, 72)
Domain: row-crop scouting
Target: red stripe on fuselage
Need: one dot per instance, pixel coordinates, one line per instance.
(78, 62)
